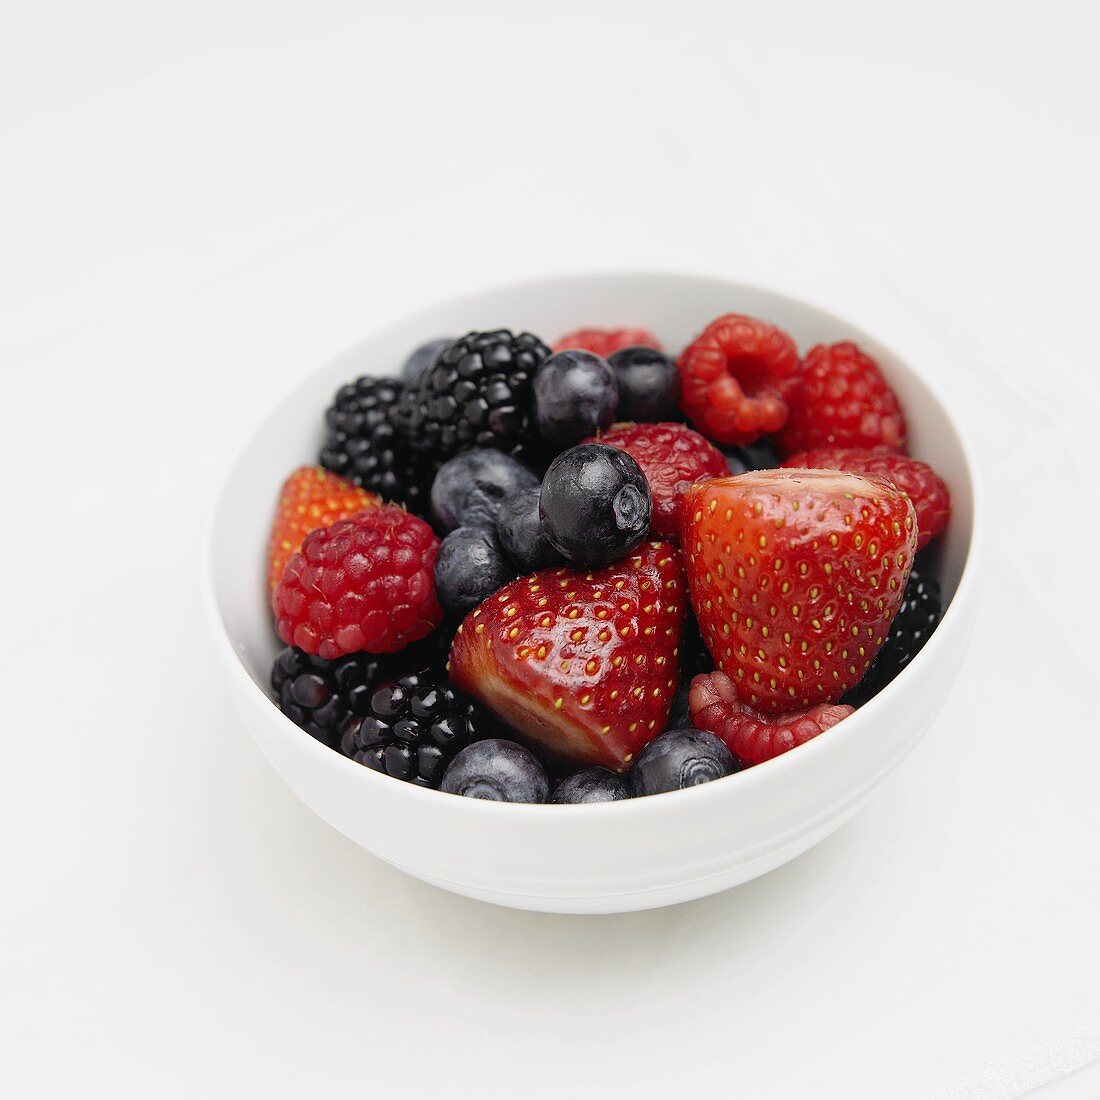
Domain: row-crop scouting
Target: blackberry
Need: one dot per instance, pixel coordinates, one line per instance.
(364, 445)
(917, 617)
(318, 695)
(412, 727)
(476, 394)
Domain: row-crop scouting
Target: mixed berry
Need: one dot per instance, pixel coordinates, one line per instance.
(599, 572)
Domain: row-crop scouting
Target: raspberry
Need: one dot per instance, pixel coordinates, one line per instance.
(363, 583)
(606, 341)
(737, 377)
(917, 480)
(672, 457)
(843, 401)
(751, 736)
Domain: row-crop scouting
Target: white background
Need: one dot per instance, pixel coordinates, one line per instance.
(200, 202)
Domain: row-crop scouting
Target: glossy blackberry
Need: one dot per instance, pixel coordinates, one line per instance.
(918, 616)
(412, 727)
(319, 695)
(364, 445)
(476, 394)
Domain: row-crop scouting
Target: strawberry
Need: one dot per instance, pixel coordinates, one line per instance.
(310, 498)
(924, 487)
(751, 736)
(583, 663)
(795, 577)
(672, 457)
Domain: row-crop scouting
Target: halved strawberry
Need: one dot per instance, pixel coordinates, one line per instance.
(585, 664)
(795, 577)
(310, 498)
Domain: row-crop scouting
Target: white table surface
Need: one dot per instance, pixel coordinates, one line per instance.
(199, 202)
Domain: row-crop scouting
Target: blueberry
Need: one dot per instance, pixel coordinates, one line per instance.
(468, 488)
(469, 569)
(590, 785)
(680, 758)
(595, 504)
(649, 384)
(497, 770)
(423, 357)
(519, 530)
(575, 396)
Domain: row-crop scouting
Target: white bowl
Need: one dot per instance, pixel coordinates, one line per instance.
(612, 857)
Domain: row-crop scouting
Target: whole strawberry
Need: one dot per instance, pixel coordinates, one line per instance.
(917, 480)
(737, 377)
(751, 736)
(310, 498)
(604, 342)
(795, 578)
(672, 457)
(842, 400)
(584, 663)
(362, 583)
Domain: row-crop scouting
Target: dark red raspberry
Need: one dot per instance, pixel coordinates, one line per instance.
(363, 583)
(751, 736)
(843, 401)
(672, 457)
(737, 377)
(606, 341)
(917, 480)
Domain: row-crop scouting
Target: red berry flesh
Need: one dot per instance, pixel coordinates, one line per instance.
(917, 480)
(842, 401)
(363, 583)
(736, 378)
(796, 576)
(751, 736)
(583, 663)
(310, 498)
